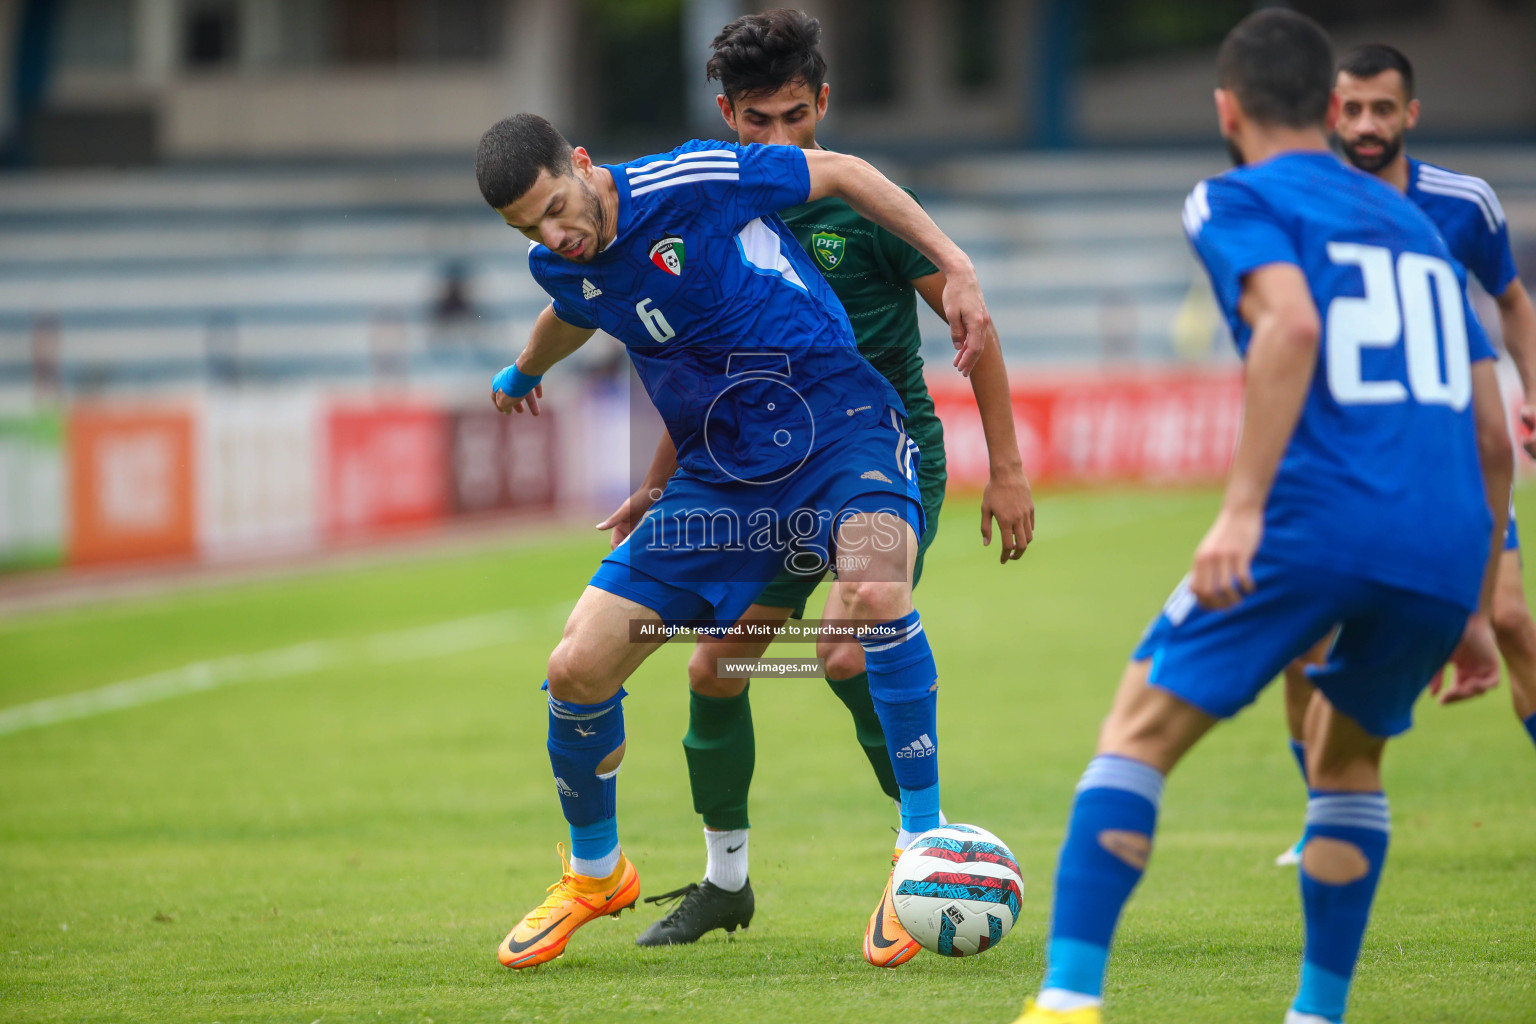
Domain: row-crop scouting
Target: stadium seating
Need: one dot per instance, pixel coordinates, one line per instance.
(170, 278)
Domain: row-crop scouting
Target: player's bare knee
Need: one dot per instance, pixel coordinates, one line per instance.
(1512, 620)
(574, 676)
(842, 661)
(881, 600)
(1133, 848)
(701, 669)
(1334, 861)
(704, 673)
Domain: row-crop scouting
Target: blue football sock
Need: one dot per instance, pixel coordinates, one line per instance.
(1299, 752)
(903, 683)
(1337, 909)
(1530, 727)
(1109, 839)
(580, 737)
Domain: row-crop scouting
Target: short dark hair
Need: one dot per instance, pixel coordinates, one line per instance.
(1279, 65)
(511, 154)
(762, 53)
(1373, 59)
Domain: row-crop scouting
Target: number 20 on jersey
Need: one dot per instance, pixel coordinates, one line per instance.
(1399, 305)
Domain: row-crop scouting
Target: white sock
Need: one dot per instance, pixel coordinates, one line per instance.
(904, 838)
(1062, 1001)
(727, 866)
(600, 868)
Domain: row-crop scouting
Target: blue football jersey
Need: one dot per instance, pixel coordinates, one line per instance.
(1470, 220)
(1381, 478)
(742, 346)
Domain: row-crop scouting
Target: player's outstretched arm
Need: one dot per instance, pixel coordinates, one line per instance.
(550, 341)
(622, 520)
(875, 197)
(1282, 355)
(1476, 660)
(1007, 497)
(1517, 320)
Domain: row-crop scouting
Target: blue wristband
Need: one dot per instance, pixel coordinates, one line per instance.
(514, 383)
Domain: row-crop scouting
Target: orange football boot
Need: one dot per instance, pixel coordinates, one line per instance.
(572, 902)
(886, 942)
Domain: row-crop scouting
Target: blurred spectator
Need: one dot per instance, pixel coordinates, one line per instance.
(457, 329)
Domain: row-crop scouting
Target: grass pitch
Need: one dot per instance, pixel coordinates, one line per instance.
(344, 826)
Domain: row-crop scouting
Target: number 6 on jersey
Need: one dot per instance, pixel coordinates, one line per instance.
(655, 322)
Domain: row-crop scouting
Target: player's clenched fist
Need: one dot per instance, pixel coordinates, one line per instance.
(1223, 569)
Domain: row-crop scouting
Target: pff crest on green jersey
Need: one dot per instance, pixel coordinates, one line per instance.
(828, 249)
(668, 254)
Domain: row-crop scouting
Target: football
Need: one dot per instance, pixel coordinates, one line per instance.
(957, 890)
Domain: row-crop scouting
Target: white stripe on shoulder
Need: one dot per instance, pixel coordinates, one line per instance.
(1197, 210)
(697, 165)
(1436, 188)
(700, 154)
(1439, 176)
(685, 179)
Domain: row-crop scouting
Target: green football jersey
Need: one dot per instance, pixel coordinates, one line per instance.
(871, 271)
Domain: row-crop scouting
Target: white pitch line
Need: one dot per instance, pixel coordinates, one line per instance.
(440, 639)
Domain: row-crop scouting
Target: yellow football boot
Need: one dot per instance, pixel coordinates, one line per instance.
(571, 903)
(886, 942)
(1040, 1015)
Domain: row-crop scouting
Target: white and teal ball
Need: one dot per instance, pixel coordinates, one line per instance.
(957, 890)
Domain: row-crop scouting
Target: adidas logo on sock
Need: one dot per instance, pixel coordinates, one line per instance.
(920, 747)
(565, 790)
(589, 290)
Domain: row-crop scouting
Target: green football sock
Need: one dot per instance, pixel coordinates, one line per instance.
(854, 693)
(721, 754)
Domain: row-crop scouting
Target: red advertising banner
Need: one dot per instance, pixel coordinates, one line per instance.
(1098, 427)
(383, 469)
(503, 462)
(130, 485)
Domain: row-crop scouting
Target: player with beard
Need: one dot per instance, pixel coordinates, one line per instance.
(1367, 496)
(1377, 110)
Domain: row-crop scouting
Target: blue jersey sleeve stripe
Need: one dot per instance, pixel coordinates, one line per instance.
(1466, 194)
(700, 154)
(697, 165)
(1484, 190)
(685, 179)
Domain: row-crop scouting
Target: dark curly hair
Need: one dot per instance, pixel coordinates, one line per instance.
(762, 53)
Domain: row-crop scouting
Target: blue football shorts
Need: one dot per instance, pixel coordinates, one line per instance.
(705, 550)
(1390, 643)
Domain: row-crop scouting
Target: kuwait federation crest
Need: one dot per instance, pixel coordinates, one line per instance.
(828, 248)
(668, 255)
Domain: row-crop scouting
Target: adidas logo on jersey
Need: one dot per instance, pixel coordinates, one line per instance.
(564, 789)
(589, 291)
(920, 747)
(875, 474)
